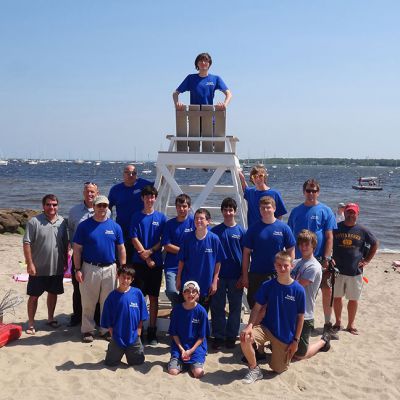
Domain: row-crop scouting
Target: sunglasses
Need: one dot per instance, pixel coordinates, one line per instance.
(102, 205)
(90, 183)
(131, 173)
(51, 205)
(312, 191)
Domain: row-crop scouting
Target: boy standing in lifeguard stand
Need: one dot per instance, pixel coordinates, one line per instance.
(229, 283)
(172, 239)
(200, 258)
(202, 86)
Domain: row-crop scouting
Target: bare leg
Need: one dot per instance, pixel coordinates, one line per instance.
(197, 372)
(326, 303)
(51, 306)
(153, 310)
(32, 307)
(352, 306)
(248, 351)
(338, 306)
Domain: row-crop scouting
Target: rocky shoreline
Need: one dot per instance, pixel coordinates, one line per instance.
(13, 220)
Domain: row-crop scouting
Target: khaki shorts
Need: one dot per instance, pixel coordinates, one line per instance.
(349, 286)
(279, 360)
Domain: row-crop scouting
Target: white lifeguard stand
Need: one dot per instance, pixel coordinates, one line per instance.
(200, 144)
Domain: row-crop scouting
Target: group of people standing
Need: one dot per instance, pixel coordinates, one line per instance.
(116, 264)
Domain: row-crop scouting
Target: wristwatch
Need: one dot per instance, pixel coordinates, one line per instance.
(326, 258)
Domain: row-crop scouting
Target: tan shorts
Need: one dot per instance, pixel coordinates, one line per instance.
(349, 286)
(279, 360)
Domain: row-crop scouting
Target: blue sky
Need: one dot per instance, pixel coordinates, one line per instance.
(89, 79)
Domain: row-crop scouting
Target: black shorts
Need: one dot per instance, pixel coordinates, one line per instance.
(304, 341)
(148, 280)
(50, 284)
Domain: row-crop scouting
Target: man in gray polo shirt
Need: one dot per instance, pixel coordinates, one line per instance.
(78, 213)
(45, 246)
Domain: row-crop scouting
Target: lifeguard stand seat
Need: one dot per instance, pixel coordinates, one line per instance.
(200, 144)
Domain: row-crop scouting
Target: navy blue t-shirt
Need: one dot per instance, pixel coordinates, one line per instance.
(231, 238)
(127, 200)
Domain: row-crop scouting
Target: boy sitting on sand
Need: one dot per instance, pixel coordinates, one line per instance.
(123, 315)
(189, 330)
(308, 272)
(284, 299)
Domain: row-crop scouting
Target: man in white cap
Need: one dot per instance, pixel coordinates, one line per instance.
(354, 246)
(95, 241)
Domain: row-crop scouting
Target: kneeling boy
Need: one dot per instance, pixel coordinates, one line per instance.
(189, 330)
(284, 299)
(123, 315)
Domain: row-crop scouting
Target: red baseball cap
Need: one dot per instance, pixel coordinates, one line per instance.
(352, 206)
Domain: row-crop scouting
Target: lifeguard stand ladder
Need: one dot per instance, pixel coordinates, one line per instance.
(200, 143)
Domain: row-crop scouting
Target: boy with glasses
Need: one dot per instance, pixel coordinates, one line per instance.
(189, 330)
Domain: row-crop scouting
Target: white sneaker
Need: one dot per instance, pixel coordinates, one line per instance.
(253, 375)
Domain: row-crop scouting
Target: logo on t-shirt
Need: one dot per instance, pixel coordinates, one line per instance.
(236, 236)
(277, 233)
(155, 223)
(210, 84)
(195, 321)
(109, 232)
(289, 297)
(133, 305)
(314, 217)
(208, 250)
(188, 230)
(137, 191)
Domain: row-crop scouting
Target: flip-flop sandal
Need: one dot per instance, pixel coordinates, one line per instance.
(353, 331)
(337, 328)
(30, 330)
(53, 324)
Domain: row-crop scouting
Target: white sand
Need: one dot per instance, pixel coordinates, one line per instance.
(57, 365)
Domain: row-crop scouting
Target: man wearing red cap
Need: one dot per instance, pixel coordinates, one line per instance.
(354, 246)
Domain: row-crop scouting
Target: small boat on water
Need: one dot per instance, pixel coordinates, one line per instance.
(368, 183)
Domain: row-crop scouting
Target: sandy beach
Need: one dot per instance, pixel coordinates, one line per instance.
(55, 364)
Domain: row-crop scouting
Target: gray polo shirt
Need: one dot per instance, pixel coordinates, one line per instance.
(310, 270)
(77, 214)
(49, 244)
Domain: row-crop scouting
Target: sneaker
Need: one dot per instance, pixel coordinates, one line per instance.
(87, 337)
(328, 328)
(326, 337)
(253, 375)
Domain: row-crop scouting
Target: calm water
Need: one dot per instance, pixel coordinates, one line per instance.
(23, 185)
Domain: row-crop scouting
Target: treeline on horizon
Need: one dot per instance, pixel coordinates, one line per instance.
(366, 162)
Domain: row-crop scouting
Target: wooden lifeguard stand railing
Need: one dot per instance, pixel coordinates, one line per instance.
(200, 143)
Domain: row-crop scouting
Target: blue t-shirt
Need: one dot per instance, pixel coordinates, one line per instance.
(189, 326)
(127, 200)
(253, 196)
(318, 219)
(231, 238)
(202, 89)
(200, 257)
(284, 303)
(174, 232)
(147, 228)
(98, 240)
(266, 240)
(123, 312)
